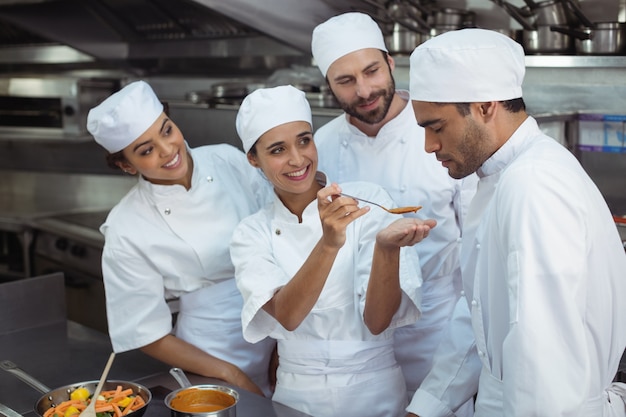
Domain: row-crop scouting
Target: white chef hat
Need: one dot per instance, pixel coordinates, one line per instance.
(467, 65)
(343, 34)
(266, 108)
(124, 116)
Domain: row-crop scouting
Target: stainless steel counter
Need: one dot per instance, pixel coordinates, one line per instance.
(31, 201)
(38, 338)
(66, 352)
(59, 352)
(27, 195)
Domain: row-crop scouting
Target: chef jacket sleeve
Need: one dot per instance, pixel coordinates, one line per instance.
(136, 308)
(410, 272)
(453, 379)
(257, 274)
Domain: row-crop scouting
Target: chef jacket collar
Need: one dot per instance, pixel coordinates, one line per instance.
(283, 214)
(509, 150)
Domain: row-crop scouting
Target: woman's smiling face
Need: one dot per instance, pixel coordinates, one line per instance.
(288, 157)
(159, 155)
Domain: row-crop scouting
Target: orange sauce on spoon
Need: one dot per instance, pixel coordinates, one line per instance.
(402, 210)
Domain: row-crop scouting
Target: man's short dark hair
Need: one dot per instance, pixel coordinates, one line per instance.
(514, 106)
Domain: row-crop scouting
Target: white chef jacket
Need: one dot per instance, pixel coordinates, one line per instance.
(331, 365)
(545, 273)
(397, 160)
(164, 242)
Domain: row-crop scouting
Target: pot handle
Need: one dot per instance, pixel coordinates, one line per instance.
(531, 4)
(9, 366)
(180, 377)
(515, 13)
(572, 32)
(419, 6)
(573, 5)
(8, 411)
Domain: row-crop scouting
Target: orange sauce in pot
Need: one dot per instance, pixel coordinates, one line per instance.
(197, 400)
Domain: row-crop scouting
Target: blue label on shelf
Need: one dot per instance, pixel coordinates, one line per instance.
(602, 133)
(602, 117)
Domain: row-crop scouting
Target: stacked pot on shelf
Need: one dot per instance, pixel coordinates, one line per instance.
(408, 23)
(560, 27)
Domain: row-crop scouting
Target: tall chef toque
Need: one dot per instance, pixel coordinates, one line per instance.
(468, 65)
(266, 108)
(343, 34)
(124, 116)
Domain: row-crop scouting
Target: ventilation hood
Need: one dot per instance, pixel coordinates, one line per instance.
(162, 29)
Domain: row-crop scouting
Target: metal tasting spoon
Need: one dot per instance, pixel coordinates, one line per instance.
(397, 210)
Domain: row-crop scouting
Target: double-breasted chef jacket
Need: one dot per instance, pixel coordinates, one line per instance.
(164, 242)
(331, 365)
(544, 274)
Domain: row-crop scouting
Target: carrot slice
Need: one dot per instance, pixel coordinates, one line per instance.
(102, 409)
(139, 402)
(118, 412)
(129, 407)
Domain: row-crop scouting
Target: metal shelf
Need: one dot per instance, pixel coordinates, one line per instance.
(556, 61)
(575, 61)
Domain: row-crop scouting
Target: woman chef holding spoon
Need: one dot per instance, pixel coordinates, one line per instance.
(328, 279)
(168, 238)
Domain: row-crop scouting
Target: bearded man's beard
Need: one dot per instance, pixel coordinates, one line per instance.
(376, 115)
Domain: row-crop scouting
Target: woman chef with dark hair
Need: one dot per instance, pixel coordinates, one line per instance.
(168, 238)
(326, 278)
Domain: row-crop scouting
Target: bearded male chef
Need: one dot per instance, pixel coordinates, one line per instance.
(377, 140)
(543, 268)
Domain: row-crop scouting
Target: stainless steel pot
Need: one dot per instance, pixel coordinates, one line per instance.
(226, 411)
(401, 40)
(441, 29)
(51, 398)
(551, 12)
(545, 41)
(229, 410)
(536, 15)
(604, 38)
(408, 16)
(450, 17)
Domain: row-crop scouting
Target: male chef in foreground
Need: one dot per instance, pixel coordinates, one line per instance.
(543, 267)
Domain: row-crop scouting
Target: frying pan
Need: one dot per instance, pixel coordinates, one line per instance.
(52, 398)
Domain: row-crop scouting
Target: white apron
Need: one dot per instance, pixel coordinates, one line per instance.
(210, 318)
(376, 384)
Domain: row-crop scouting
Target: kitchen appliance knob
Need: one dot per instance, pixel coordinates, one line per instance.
(61, 244)
(78, 251)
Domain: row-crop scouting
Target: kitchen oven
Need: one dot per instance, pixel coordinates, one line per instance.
(14, 253)
(49, 105)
